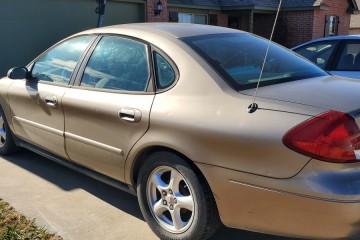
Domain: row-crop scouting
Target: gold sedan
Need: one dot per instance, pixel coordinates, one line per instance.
(162, 111)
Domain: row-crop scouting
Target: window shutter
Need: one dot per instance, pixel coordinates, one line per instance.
(173, 17)
(213, 19)
(327, 26)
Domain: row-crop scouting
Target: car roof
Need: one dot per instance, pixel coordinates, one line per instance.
(177, 30)
(343, 37)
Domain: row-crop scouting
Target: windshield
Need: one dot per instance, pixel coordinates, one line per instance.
(238, 58)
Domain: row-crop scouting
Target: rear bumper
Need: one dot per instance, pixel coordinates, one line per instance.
(308, 205)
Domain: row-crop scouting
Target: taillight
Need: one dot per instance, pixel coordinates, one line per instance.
(332, 136)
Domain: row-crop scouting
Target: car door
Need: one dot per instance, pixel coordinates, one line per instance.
(36, 103)
(347, 61)
(109, 110)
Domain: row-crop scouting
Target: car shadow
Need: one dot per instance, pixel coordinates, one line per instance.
(68, 179)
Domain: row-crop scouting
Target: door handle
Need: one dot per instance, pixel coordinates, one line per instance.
(51, 101)
(130, 115)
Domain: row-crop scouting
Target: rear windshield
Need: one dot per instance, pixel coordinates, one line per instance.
(238, 58)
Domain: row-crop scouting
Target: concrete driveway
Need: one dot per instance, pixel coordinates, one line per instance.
(77, 207)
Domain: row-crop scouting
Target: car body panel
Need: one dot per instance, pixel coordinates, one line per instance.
(34, 119)
(242, 203)
(95, 134)
(317, 92)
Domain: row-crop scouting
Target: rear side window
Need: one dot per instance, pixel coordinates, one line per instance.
(165, 74)
(349, 59)
(58, 64)
(239, 57)
(118, 64)
(319, 52)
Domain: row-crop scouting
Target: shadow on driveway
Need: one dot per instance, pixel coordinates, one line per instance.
(68, 180)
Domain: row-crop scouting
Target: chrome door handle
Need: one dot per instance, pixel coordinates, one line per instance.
(51, 101)
(130, 115)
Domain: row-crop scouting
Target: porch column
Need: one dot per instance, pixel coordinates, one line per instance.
(251, 21)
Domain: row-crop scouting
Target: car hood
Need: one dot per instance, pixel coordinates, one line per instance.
(330, 93)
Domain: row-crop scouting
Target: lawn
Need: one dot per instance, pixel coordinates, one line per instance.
(15, 226)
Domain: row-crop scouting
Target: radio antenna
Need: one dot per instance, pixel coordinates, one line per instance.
(253, 106)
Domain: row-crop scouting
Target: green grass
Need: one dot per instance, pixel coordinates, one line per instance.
(15, 226)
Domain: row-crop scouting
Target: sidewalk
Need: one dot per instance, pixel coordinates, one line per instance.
(78, 207)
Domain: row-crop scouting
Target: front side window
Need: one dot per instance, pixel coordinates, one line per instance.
(349, 59)
(58, 64)
(118, 64)
(319, 52)
(193, 18)
(238, 58)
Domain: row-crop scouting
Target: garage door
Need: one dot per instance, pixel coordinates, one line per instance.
(29, 27)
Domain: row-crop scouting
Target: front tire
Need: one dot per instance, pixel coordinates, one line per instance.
(7, 144)
(175, 201)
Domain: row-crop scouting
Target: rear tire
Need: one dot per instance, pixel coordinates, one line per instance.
(7, 144)
(175, 201)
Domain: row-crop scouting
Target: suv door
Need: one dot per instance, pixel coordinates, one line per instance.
(36, 104)
(109, 111)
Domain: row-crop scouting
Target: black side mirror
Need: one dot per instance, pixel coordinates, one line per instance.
(18, 73)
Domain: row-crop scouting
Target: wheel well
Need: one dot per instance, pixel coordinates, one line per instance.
(141, 158)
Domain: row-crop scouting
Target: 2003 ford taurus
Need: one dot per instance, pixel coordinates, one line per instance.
(162, 110)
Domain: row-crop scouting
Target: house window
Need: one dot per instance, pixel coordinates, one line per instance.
(331, 26)
(193, 18)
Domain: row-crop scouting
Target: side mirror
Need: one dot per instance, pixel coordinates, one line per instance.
(18, 73)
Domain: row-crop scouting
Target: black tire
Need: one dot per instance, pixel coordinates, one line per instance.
(7, 144)
(189, 200)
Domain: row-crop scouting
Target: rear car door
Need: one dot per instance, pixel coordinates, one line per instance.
(36, 104)
(108, 112)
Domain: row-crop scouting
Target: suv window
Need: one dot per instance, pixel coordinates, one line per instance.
(165, 74)
(349, 59)
(119, 64)
(58, 64)
(319, 53)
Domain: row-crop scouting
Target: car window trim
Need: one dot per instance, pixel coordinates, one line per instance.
(150, 84)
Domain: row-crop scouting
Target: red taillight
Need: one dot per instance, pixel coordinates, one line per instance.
(332, 136)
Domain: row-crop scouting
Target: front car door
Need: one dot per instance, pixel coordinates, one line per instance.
(36, 104)
(109, 110)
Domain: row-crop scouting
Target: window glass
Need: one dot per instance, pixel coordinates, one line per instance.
(165, 74)
(349, 59)
(200, 19)
(319, 53)
(331, 26)
(58, 64)
(238, 58)
(185, 18)
(193, 18)
(119, 64)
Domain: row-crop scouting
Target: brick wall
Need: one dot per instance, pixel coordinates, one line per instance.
(150, 8)
(222, 19)
(263, 24)
(333, 8)
(295, 27)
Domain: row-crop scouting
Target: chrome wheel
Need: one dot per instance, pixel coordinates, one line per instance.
(2, 131)
(170, 199)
